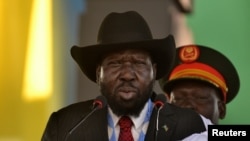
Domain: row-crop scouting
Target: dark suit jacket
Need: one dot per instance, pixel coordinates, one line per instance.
(174, 124)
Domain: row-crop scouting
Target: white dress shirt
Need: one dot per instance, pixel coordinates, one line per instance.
(140, 123)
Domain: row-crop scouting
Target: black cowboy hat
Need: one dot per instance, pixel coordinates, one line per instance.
(121, 31)
(202, 63)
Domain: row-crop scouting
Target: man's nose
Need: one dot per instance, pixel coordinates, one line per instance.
(188, 103)
(127, 72)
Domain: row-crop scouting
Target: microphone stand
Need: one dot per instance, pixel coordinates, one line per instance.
(98, 103)
(159, 103)
(79, 123)
(157, 123)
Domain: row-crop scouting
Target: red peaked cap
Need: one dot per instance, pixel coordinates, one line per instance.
(205, 64)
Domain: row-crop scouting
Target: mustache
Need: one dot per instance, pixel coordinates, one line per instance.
(127, 86)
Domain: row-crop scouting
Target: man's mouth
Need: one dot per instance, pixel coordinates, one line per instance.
(126, 93)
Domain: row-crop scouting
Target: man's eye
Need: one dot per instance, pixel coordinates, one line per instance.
(140, 63)
(179, 99)
(201, 97)
(114, 63)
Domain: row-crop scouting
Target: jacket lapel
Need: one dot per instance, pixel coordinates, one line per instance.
(100, 123)
(166, 125)
(94, 128)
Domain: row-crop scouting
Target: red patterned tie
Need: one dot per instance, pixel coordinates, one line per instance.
(125, 129)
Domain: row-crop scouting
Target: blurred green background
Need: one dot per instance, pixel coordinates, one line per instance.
(225, 25)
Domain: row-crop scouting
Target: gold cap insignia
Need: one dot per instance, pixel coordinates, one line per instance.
(189, 54)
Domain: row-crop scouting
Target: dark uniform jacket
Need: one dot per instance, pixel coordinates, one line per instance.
(174, 124)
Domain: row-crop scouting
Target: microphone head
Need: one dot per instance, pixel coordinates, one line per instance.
(100, 102)
(160, 100)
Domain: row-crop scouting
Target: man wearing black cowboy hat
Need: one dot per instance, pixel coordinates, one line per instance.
(201, 79)
(125, 64)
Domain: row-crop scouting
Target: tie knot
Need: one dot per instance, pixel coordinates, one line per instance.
(125, 122)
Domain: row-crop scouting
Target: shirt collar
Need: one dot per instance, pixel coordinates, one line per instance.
(137, 121)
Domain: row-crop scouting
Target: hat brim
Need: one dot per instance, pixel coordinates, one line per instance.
(162, 52)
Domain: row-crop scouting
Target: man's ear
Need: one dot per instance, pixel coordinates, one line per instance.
(154, 69)
(222, 109)
(168, 96)
(98, 71)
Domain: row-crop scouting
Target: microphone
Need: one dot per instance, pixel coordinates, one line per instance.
(159, 102)
(99, 103)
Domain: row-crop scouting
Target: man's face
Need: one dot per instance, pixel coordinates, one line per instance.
(200, 97)
(126, 79)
